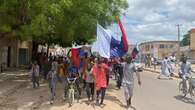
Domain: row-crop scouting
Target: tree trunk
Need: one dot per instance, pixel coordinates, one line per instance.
(35, 46)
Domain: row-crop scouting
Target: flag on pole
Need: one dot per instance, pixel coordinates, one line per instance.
(102, 44)
(76, 54)
(135, 52)
(124, 37)
(107, 46)
(75, 57)
(119, 48)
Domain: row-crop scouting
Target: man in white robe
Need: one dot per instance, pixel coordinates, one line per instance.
(165, 67)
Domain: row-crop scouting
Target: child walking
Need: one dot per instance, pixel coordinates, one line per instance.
(52, 77)
(35, 74)
(89, 84)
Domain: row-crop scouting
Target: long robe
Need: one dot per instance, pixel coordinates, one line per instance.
(165, 68)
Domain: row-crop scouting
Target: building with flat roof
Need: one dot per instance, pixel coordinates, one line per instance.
(14, 52)
(192, 44)
(158, 49)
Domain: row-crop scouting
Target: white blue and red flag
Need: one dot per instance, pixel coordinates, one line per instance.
(107, 46)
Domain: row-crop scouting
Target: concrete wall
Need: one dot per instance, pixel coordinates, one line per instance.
(4, 44)
(192, 39)
(192, 43)
(14, 45)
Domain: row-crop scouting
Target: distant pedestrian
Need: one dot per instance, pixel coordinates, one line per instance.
(45, 65)
(128, 79)
(34, 73)
(165, 70)
(154, 63)
(51, 76)
(145, 60)
(170, 67)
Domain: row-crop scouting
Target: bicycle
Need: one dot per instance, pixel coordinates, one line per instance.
(189, 88)
(72, 90)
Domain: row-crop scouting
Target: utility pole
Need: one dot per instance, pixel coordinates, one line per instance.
(178, 31)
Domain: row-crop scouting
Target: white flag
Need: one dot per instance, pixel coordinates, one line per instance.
(102, 44)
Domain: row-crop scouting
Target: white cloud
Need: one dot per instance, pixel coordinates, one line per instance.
(157, 19)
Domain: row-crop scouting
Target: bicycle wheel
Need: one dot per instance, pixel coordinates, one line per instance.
(70, 97)
(182, 90)
(76, 93)
(192, 92)
(192, 87)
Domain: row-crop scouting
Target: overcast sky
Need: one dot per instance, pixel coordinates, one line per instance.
(147, 20)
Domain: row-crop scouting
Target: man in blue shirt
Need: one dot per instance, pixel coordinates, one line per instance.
(74, 73)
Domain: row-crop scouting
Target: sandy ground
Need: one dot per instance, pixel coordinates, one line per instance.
(16, 93)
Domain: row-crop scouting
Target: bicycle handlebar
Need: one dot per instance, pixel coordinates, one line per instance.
(71, 80)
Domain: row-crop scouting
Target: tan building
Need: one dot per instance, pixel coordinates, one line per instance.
(192, 43)
(189, 50)
(14, 53)
(158, 49)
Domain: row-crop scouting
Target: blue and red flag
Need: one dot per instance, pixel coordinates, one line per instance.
(119, 48)
(124, 36)
(76, 54)
(134, 52)
(75, 58)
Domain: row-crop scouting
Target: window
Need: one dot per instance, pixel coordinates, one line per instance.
(171, 46)
(162, 46)
(147, 47)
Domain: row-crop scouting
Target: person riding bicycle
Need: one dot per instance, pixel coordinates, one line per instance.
(74, 73)
(185, 71)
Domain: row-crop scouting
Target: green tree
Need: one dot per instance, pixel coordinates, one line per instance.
(186, 40)
(57, 21)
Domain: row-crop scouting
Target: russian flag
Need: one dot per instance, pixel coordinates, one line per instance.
(107, 46)
(119, 48)
(135, 52)
(76, 54)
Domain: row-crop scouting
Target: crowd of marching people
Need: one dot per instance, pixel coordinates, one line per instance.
(57, 69)
(92, 77)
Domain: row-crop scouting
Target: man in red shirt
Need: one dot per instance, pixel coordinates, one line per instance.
(100, 72)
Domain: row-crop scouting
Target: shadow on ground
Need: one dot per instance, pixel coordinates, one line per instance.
(185, 99)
